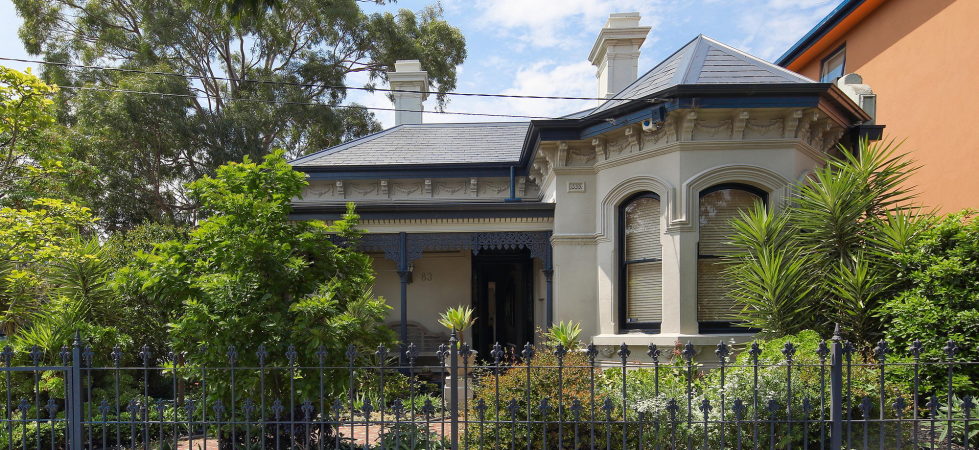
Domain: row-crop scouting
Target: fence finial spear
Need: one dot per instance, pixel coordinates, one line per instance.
(836, 332)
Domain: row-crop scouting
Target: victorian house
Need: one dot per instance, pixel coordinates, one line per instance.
(613, 217)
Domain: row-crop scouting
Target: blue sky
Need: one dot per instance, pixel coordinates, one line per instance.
(540, 47)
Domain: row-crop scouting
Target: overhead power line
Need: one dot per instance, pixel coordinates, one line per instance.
(296, 84)
(286, 102)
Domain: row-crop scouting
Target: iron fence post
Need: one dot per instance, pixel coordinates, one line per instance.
(836, 392)
(454, 390)
(74, 400)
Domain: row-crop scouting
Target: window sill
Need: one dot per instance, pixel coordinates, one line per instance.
(669, 339)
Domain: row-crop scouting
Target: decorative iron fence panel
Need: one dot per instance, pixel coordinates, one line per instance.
(829, 396)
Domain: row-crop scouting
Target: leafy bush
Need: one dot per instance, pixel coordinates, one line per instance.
(939, 301)
(650, 405)
(506, 403)
(247, 276)
(405, 436)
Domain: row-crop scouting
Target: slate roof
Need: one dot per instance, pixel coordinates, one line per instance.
(704, 61)
(701, 61)
(433, 143)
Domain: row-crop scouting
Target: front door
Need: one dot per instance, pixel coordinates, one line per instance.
(503, 296)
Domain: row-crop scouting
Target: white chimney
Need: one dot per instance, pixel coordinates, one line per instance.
(616, 52)
(408, 76)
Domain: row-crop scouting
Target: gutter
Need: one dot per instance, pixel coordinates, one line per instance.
(447, 210)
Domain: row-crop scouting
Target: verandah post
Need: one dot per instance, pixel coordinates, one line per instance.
(836, 391)
(74, 400)
(404, 276)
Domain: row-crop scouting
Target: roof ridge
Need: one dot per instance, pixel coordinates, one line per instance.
(748, 57)
(640, 79)
(681, 75)
(648, 72)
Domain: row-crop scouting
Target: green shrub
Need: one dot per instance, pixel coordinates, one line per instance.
(939, 302)
(522, 391)
(405, 436)
(644, 403)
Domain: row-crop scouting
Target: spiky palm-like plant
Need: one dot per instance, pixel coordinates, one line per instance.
(821, 259)
(567, 334)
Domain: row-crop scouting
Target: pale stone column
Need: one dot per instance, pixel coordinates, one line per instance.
(680, 282)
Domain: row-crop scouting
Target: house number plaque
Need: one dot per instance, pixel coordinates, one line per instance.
(576, 186)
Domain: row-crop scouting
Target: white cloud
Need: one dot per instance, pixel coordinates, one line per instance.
(556, 23)
(771, 30)
(541, 78)
(800, 4)
(545, 78)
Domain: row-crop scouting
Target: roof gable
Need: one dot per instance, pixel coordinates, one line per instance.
(704, 61)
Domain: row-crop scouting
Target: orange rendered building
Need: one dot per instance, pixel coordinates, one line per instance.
(921, 59)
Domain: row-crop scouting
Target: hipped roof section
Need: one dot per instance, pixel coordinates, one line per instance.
(704, 61)
(702, 64)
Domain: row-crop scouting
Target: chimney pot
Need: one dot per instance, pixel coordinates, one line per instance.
(616, 52)
(408, 76)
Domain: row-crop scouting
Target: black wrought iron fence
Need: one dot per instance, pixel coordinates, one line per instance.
(828, 396)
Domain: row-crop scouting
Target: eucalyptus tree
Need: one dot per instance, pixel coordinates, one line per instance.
(34, 155)
(252, 83)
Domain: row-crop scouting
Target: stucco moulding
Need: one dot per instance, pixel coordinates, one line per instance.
(420, 189)
(720, 127)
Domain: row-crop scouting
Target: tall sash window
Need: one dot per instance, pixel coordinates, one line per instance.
(640, 263)
(719, 205)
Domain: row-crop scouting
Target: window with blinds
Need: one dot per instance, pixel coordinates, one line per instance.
(716, 311)
(641, 266)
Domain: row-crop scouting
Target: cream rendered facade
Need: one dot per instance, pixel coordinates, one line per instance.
(677, 131)
(693, 151)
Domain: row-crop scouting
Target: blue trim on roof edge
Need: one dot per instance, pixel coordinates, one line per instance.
(818, 31)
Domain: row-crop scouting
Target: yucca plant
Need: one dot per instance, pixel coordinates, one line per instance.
(566, 334)
(822, 258)
(458, 319)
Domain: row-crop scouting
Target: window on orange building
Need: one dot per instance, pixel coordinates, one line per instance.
(832, 67)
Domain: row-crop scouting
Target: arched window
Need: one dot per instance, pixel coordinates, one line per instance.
(716, 311)
(640, 263)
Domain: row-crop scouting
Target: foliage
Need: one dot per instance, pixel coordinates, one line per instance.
(34, 160)
(144, 316)
(566, 334)
(458, 319)
(650, 392)
(45, 261)
(957, 429)
(248, 276)
(520, 390)
(370, 386)
(405, 436)
(34, 436)
(823, 258)
(773, 273)
(939, 300)
(254, 82)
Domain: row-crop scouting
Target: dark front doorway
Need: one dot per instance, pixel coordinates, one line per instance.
(503, 296)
